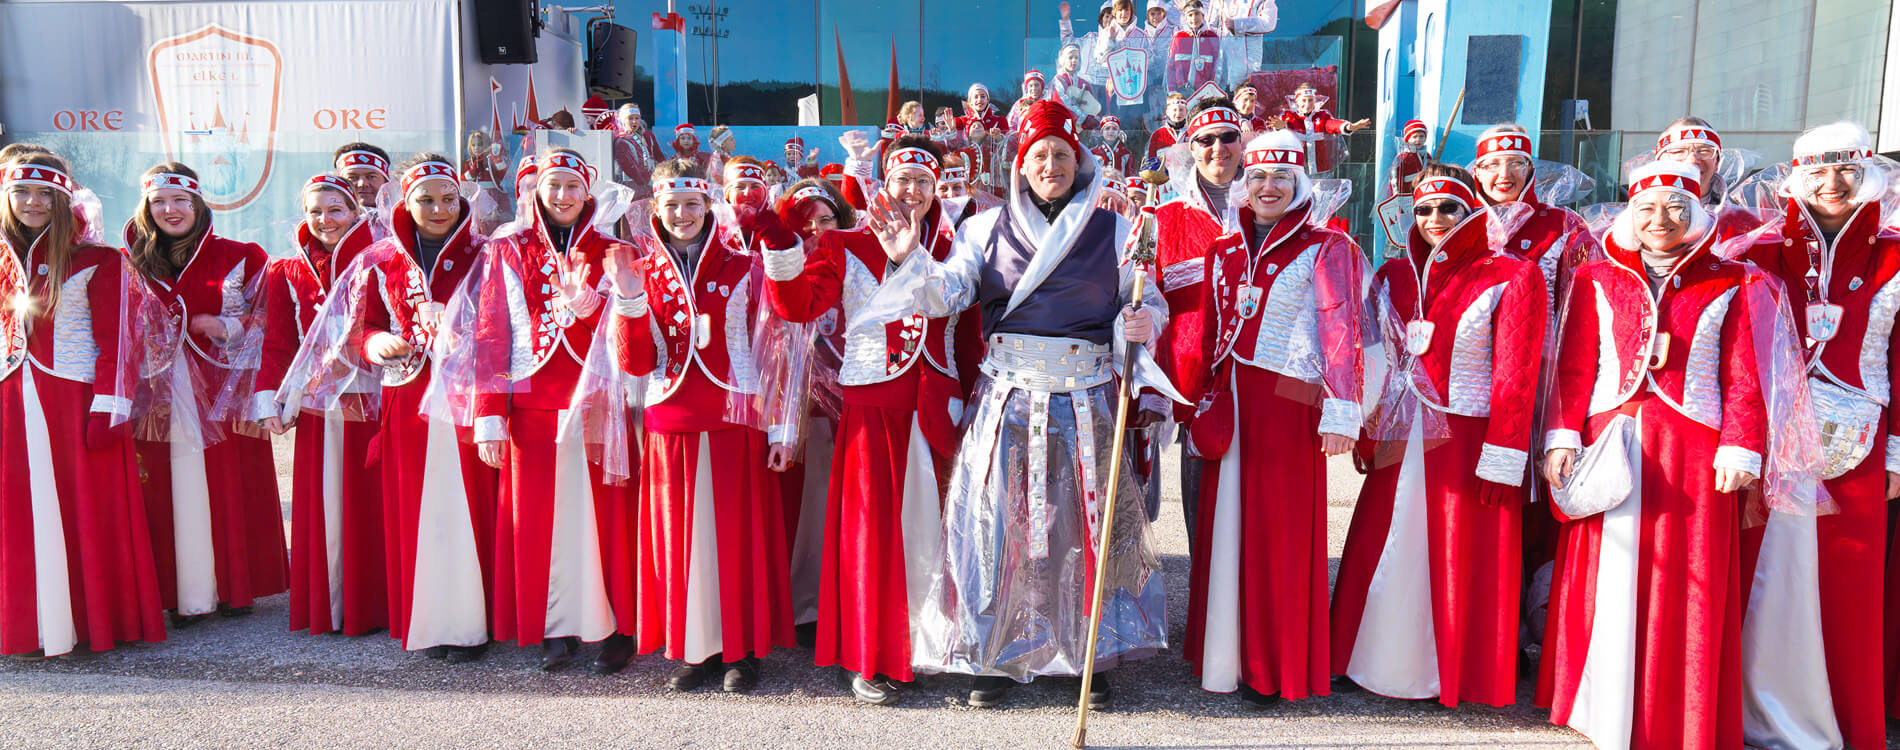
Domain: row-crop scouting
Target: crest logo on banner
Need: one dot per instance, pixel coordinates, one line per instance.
(1128, 74)
(216, 93)
(1207, 90)
(1394, 212)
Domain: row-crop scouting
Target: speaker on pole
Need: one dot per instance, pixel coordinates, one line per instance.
(505, 29)
(610, 63)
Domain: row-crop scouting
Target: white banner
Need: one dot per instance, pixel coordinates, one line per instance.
(254, 96)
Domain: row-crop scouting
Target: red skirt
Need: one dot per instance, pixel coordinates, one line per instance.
(1259, 562)
(337, 566)
(1681, 594)
(111, 592)
(731, 600)
(548, 543)
(1468, 560)
(450, 556)
(882, 530)
(246, 520)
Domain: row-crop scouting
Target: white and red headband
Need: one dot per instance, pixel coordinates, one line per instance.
(1433, 188)
(1136, 184)
(571, 164)
(811, 193)
(739, 172)
(1507, 144)
(332, 182)
(1271, 158)
(1034, 75)
(684, 128)
(1213, 118)
(1684, 134)
(426, 171)
(670, 185)
(956, 174)
(911, 158)
(360, 158)
(168, 181)
(1837, 156)
(1666, 176)
(1112, 121)
(34, 174)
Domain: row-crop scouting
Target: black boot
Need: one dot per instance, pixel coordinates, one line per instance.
(742, 675)
(877, 691)
(806, 633)
(1099, 693)
(183, 621)
(1258, 700)
(1344, 684)
(465, 654)
(689, 677)
(987, 692)
(229, 611)
(557, 652)
(615, 652)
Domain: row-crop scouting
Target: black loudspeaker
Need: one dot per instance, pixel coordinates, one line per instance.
(610, 66)
(505, 30)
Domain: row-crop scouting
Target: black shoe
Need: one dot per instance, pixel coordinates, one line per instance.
(615, 652)
(877, 691)
(436, 652)
(184, 621)
(742, 675)
(1099, 694)
(690, 676)
(465, 654)
(807, 634)
(1344, 684)
(987, 692)
(226, 611)
(557, 652)
(1258, 700)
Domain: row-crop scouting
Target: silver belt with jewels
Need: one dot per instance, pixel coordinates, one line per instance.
(1043, 363)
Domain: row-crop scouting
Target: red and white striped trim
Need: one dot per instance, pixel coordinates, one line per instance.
(426, 171)
(1839, 156)
(1274, 157)
(1687, 134)
(35, 174)
(1433, 188)
(682, 185)
(737, 172)
(1213, 118)
(168, 181)
(911, 158)
(1508, 144)
(360, 158)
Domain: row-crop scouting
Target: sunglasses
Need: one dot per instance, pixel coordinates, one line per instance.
(1445, 209)
(1225, 137)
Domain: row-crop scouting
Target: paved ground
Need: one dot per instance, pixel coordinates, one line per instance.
(248, 682)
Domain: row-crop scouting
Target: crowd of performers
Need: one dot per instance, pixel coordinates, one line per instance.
(714, 412)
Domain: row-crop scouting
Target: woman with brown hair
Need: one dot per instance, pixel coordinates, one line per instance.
(216, 526)
(75, 560)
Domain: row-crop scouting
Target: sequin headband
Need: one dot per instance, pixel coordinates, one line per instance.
(1517, 144)
(811, 193)
(956, 174)
(1687, 134)
(1841, 156)
(363, 159)
(34, 174)
(168, 180)
(912, 157)
(681, 185)
(426, 171)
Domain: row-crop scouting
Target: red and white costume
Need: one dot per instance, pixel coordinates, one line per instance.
(1115, 154)
(635, 154)
(712, 563)
(1163, 137)
(75, 556)
(1410, 161)
(702, 158)
(1187, 230)
(896, 431)
(1021, 106)
(991, 117)
(1846, 312)
(1644, 641)
(1314, 128)
(1282, 347)
(1193, 59)
(556, 518)
(337, 580)
(1553, 237)
(1426, 604)
(440, 497)
(217, 529)
(1731, 220)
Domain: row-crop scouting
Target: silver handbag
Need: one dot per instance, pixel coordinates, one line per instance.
(1849, 423)
(1601, 479)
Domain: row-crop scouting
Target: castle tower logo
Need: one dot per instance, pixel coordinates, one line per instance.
(217, 93)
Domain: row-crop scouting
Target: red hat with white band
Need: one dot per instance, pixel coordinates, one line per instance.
(741, 172)
(1112, 121)
(1273, 155)
(1046, 118)
(564, 162)
(911, 158)
(1687, 134)
(1033, 75)
(684, 128)
(1441, 186)
(1213, 119)
(426, 171)
(1509, 143)
(1412, 126)
(168, 180)
(360, 158)
(35, 174)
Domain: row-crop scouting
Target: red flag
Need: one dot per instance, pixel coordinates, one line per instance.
(891, 96)
(668, 22)
(848, 110)
(534, 108)
(493, 85)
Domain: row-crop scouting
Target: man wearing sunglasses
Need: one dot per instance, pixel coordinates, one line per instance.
(1692, 141)
(1841, 270)
(1187, 229)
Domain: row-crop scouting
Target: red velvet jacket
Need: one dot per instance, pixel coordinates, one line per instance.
(1187, 229)
(404, 285)
(215, 281)
(80, 338)
(294, 291)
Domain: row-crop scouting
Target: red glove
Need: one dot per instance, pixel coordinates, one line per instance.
(99, 432)
(764, 228)
(1362, 454)
(1498, 495)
